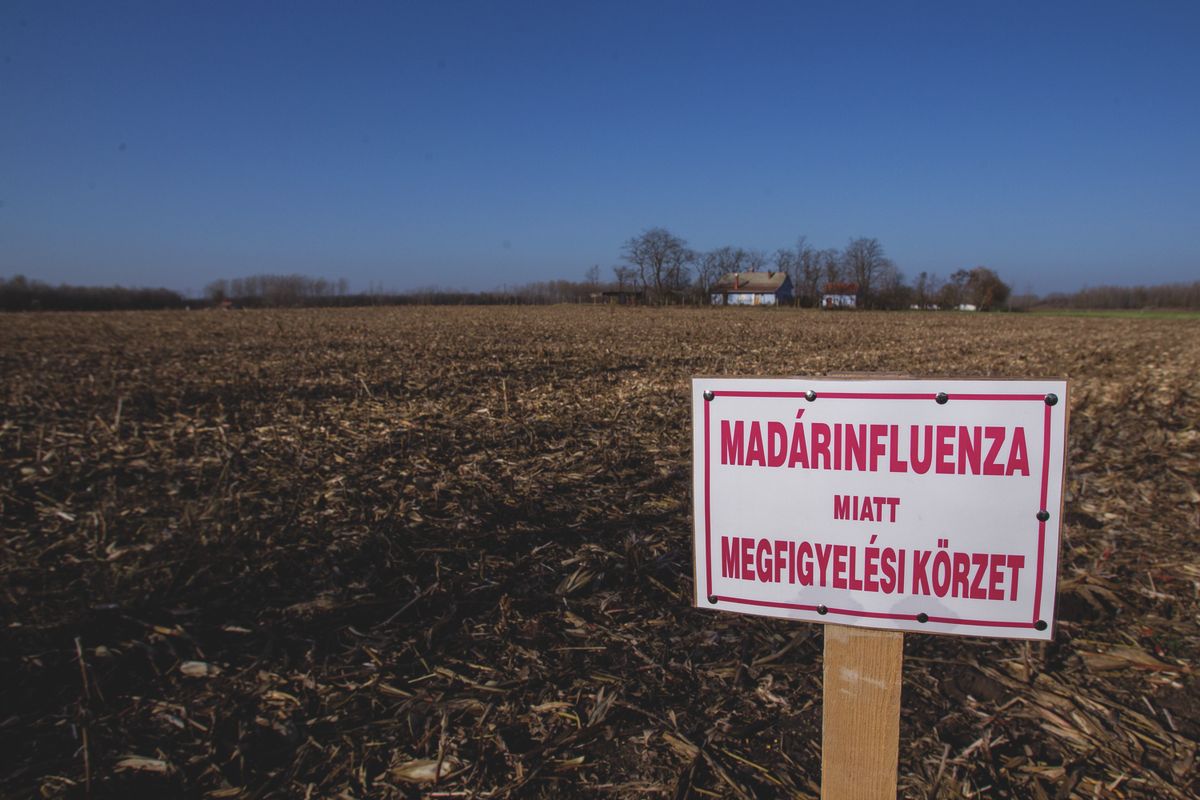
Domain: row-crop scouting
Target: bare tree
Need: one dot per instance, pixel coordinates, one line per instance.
(625, 276)
(710, 267)
(755, 260)
(924, 289)
(724, 260)
(806, 273)
(661, 259)
(890, 290)
(864, 261)
(784, 260)
(592, 277)
(829, 265)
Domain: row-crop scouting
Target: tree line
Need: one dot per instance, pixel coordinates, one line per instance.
(22, 294)
(656, 267)
(1182, 296)
(275, 291)
(661, 266)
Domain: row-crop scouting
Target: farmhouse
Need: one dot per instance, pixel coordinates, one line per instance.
(752, 289)
(840, 295)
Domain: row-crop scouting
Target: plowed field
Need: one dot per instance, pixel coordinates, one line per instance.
(342, 553)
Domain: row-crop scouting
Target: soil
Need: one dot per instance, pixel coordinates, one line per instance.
(446, 552)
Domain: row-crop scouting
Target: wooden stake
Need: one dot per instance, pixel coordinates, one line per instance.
(860, 735)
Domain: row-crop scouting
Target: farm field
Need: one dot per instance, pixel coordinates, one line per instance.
(326, 553)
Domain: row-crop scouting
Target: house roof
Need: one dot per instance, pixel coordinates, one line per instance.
(841, 288)
(752, 282)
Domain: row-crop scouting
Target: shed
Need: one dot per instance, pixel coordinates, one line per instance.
(752, 289)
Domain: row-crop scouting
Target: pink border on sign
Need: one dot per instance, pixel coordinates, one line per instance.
(1045, 489)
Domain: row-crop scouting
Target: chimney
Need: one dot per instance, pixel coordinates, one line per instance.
(735, 280)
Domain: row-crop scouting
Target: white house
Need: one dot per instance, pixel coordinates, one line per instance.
(752, 289)
(840, 295)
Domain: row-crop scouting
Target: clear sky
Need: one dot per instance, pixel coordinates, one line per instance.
(477, 144)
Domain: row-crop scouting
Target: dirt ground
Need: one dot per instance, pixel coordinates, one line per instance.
(339, 553)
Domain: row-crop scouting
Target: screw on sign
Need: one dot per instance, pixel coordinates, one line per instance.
(878, 506)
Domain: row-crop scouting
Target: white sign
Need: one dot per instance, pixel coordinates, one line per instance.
(917, 505)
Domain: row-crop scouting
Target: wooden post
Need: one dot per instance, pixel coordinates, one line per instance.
(860, 730)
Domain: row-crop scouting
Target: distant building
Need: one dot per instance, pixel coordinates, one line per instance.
(752, 289)
(840, 295)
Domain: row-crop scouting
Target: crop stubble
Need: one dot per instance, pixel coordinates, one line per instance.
(446, 551)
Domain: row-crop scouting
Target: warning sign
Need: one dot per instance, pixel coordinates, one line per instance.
(916, 505)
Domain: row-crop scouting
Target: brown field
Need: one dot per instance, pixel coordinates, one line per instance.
(316, 553)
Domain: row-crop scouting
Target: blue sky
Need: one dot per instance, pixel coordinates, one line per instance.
(478, 144)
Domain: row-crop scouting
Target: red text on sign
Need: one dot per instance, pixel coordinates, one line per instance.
(865, 509)
(940, 449)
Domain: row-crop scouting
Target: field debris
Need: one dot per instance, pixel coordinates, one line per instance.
(446, 552)
(143, 764)
(199, 669)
